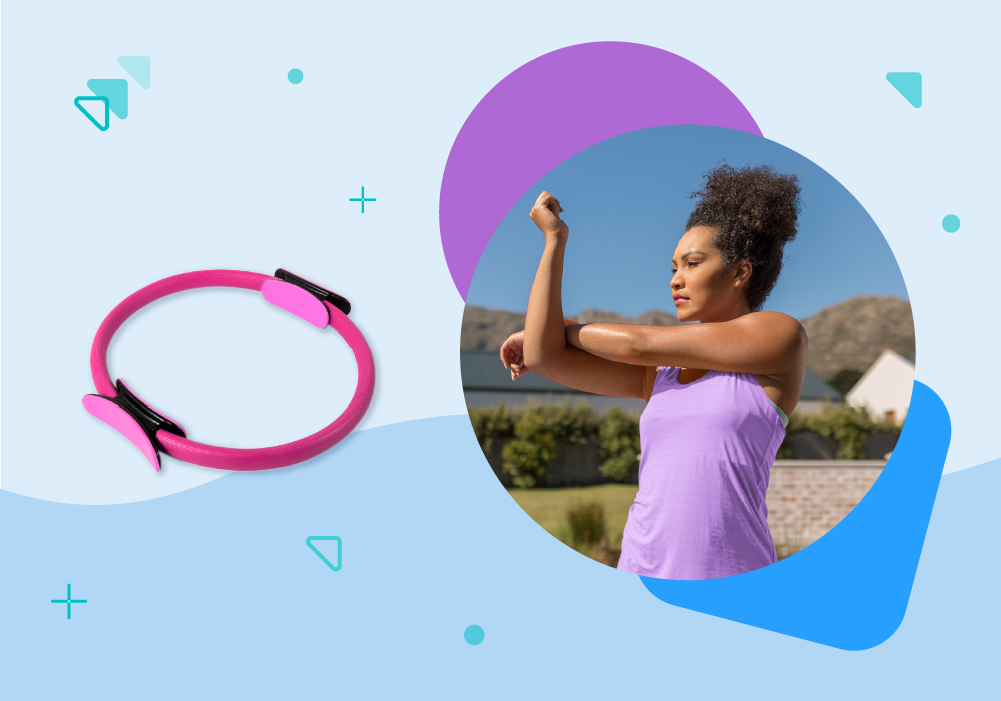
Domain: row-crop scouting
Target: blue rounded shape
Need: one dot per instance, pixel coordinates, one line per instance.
(951, 223)
(840, 592)
(473, 635)
(295, 76)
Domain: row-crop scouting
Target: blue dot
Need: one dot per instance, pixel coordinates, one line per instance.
(295, 76)
(951, 223)
(473, 635)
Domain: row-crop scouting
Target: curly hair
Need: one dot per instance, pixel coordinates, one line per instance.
(753, 211)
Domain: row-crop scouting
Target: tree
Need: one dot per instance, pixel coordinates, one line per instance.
(845, 379)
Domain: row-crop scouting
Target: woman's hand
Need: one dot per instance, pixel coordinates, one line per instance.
(546, 215)
(512, 354)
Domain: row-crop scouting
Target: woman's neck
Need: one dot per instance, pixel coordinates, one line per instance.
(726, 315)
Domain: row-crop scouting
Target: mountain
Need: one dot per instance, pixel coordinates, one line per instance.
(852, 334)
(487, 329)
(845, 336)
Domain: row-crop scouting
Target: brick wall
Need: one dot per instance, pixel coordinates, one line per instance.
(808, 498)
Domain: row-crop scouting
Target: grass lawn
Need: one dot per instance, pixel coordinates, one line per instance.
(548, 507)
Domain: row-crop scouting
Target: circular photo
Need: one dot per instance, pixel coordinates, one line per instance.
(687, 352)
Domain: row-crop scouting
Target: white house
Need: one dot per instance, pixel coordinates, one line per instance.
(885, 388)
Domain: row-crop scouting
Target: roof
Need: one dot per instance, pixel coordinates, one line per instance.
(815, 388)
(908, 358)
(482, 370)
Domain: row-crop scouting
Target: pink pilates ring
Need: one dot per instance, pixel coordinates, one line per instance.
(152, 432)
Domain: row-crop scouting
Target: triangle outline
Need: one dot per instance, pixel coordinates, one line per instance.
(88, 115)
(309, 542)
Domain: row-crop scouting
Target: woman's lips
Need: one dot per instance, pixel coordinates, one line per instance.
(678, 299)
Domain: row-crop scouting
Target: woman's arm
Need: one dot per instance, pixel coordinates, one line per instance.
(545, 346)
(512, 352)
(761, 343)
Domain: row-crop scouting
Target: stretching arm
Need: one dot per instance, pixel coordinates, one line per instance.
(545, 346)
(761, 343)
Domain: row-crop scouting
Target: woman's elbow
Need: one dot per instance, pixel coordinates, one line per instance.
(535, 360)
(540, 360)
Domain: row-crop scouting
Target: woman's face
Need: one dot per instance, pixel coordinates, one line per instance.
(703, 291)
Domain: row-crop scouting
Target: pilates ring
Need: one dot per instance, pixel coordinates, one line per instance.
(152, 432)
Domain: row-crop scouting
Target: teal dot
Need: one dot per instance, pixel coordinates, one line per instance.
(951, 223)
(295, 76)
(473, 635)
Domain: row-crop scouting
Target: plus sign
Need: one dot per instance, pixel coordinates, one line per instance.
(69, 601)
(362, 199)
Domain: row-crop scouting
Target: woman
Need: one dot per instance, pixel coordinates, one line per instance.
(718, 392)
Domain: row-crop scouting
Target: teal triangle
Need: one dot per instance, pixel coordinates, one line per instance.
(137, 67)
(908, 85)
(309, 543)
(117, 92)
(88, 115)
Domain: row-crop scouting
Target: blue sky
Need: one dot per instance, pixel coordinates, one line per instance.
(626, 202)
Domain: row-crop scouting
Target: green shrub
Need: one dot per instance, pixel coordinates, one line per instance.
(587, 524)
(532, 450)
(845, 379)
(533, 431)
(579, 424)
(619, 443)
(849, 426)
(491, 422)
(785, 450)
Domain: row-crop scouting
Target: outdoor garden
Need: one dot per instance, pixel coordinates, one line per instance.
(574, 470)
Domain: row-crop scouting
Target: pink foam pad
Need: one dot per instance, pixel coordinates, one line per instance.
(116, 417)
(297, 301)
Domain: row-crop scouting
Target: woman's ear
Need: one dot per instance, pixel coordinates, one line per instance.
(741, 273)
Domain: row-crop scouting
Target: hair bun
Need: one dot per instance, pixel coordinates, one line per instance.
(763, 201)
(754, 212)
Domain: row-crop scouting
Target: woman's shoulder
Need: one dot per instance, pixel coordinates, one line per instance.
(776, 324)
(772, 318)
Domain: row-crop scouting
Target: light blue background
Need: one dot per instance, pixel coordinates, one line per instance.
(213, 593)
(224, 163)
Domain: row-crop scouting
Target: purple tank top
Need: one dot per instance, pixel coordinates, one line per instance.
(707, 448)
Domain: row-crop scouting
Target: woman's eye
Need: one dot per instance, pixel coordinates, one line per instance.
(693, 263)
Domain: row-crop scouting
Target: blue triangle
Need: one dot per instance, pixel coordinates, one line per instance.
(908, 85)
(88, 115)
(117, 92)
(137, 67)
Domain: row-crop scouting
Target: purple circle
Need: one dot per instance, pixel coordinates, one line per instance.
(552, 108)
